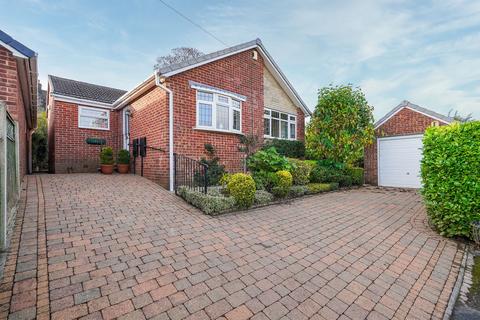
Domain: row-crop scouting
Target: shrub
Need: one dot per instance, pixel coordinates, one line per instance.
(242, 187)
(106, 156)
(451, 177)
(297, 191)
(356, 173)
(268, 161)
(263, 197)
(209, 204)
(282, 184)
(341, 125)
(215, 169)
(123, 157)
(225, 179)
(300, 171)
(287, 148)
(313, 188)
(323, 173)
(264, 180)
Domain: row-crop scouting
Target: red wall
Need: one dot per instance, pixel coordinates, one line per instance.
(69, 151)
(405, 122)
(10, 92)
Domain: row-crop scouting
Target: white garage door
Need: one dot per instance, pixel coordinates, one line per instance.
(399, 161)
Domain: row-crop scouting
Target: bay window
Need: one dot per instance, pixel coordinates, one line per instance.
(279, 125)
(219, 112)
(93, 118)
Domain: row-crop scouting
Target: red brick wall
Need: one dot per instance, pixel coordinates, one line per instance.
(405, 122)
(149, 118)
(71, 152)
(10, 92)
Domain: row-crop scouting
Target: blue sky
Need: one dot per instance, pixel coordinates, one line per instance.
(426, 52)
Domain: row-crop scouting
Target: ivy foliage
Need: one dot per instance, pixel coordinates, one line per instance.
(341, 125)
(451, 177)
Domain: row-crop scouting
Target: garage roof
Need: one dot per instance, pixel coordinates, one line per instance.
(414, 107)
(83, 90)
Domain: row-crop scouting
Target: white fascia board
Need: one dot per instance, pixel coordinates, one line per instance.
(174, 72)
(286, 86)
(91, 103)
(15, 52)
(135, 92)
(415, 110)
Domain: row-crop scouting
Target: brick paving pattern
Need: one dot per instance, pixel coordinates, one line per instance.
(122, 247)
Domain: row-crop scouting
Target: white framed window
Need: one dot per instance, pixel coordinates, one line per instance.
(218, 112)
(279, 125)
(93, 118)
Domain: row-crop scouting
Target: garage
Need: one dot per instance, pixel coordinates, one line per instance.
(393, 160)
(399, 161)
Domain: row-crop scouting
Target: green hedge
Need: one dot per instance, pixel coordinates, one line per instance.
(209, 203)
(287, 148)
(451, 177)
(313, 188)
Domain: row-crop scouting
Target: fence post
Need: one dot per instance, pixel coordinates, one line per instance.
(206, 179)
(3, 175)
(175, 173)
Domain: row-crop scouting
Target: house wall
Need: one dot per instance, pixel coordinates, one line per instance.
(10, 92)
(149, 118)
(274, 96)
(405, 122)
(70, 150)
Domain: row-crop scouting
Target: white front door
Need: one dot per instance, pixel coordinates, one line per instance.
(399, 161)
(126, 128)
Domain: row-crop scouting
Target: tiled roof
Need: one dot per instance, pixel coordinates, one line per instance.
(5, 38)
(408, 104)
(83, 90)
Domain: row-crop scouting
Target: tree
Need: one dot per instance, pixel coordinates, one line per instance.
(39, 144)
(178, 55)
(458, 117)
(341, 125)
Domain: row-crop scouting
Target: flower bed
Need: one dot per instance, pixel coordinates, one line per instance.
(217, 200)
(273, 178)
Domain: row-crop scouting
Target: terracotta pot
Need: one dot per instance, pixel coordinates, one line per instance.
(106, 168)
(123, 168)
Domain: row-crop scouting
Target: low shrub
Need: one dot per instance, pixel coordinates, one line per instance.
(313, 188)
(209, 204)
(297, 191)
(267, 161)
(123, 157)
(283, 183)
(225, 179)
(215, 170)
(106, 156)
(264, 180)
(242, 188)
(287, 148)
(263, 197)
(320, 174)
(356, 173)
(323, 174)
(300, 171)
(451, 177)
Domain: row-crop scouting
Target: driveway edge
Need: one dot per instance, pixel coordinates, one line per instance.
(458, 285)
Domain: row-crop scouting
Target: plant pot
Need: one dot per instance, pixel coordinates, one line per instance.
(123, 168)
(106, 168)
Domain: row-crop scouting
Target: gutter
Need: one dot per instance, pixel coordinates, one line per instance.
(159, 83)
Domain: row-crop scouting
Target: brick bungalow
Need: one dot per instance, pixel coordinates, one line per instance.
(18, 120)
(212, 99)
(393, 160)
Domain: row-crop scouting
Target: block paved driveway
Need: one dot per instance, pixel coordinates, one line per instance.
(91, 246)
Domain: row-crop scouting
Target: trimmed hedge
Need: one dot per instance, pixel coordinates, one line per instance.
(242, 188)
(357, 175)
(300, 171)
(313, 188)
(451, 177)
(287, 148)
(283, 183)
(208, 203)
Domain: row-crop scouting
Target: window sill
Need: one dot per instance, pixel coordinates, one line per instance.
(90, 128)
(218, 131)
(273, 138)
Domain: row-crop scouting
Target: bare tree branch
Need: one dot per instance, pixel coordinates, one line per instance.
(178, 55)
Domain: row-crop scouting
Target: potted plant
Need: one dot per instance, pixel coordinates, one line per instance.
(106, 160)
(123, 161)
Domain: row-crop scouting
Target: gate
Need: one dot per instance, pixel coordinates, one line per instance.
(9, 173)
